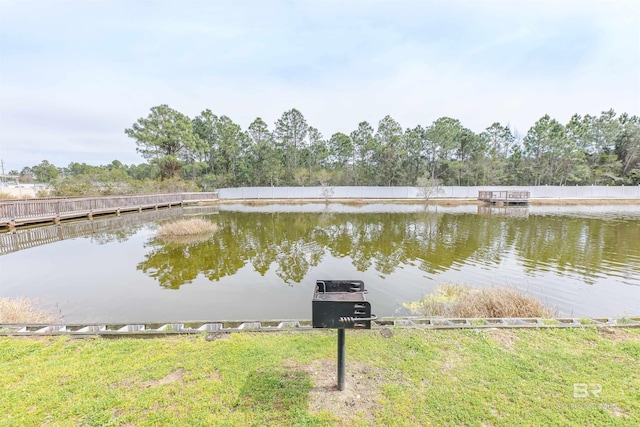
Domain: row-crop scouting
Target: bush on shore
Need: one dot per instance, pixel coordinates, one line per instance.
(186, 228)
(464, 302)
(24, 310)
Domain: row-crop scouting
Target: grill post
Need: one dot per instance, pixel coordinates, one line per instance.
(341, 304)
(341, 357)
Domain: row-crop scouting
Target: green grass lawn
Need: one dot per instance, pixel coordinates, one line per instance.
(394, 377)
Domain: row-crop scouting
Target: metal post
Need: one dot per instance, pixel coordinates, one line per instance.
(341, 336)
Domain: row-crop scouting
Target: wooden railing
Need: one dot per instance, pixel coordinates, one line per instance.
(17, 211)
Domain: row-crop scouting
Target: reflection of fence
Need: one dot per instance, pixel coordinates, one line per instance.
(37, 236)
(537, 192)
(504, 196)
(15, 212)
(504, 211)
(199, 210)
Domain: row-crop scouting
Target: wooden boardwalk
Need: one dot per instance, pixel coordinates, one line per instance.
(35, 211)
(505, 197)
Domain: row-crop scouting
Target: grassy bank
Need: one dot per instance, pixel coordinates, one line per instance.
(394, 377)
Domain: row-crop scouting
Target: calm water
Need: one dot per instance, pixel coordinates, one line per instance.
(264, 260)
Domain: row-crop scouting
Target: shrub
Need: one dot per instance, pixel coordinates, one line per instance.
(187, 227)
(23, 310)
(172, 185)
(460, 301)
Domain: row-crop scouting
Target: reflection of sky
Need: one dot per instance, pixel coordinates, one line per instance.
(100, 282)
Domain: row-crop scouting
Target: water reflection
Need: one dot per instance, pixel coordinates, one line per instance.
(101, 230)
(507, 211)
(293, 243)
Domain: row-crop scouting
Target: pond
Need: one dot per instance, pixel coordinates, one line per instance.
(263, 261)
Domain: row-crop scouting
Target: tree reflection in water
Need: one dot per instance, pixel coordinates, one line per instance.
(293, 243)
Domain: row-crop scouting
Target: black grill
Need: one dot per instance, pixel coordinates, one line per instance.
(341, 304)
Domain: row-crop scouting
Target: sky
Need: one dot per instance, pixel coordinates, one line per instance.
(75, 74)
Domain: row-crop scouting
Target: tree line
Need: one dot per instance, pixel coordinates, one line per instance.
(211, 151)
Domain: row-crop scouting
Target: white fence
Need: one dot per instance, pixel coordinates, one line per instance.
(537, 192)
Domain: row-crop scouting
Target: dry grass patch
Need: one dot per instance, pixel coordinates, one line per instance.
(616, 334)
(464, 302)
(452, 360)
(360, 400)
(24, 310)
(186, 228)
(175, 376)
(499, 302)
(503, 337)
